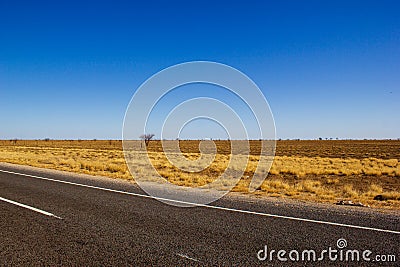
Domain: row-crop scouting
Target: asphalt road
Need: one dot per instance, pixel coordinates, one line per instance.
(68, 224)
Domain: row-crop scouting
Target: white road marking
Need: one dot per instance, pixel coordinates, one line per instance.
(209, 206)
(187, 257)
(29, 207)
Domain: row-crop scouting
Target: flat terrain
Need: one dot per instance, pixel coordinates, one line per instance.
(94, 227)
(319, 170)
(359, 149)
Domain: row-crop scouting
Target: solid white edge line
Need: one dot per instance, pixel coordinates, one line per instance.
(29, 207)
(209, 206)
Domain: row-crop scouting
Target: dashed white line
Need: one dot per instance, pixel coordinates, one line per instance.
(209, 206)
(187, 257)
(29, 207)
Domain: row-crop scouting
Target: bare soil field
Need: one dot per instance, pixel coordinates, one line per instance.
(381, 149)
(318, 170)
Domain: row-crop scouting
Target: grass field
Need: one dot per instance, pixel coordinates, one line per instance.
(324, 171)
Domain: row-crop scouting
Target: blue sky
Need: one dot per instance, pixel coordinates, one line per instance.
(327, 68)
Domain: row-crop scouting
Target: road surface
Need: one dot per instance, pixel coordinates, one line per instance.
(51, 218)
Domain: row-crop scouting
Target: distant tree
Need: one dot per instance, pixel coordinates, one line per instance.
(147, 138)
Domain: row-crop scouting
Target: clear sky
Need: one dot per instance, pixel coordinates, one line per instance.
(327, 68)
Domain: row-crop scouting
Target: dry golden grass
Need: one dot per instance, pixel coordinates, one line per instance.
(310, 178)
(301, 166)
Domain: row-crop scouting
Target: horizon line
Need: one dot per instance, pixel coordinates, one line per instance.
(208, 139)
